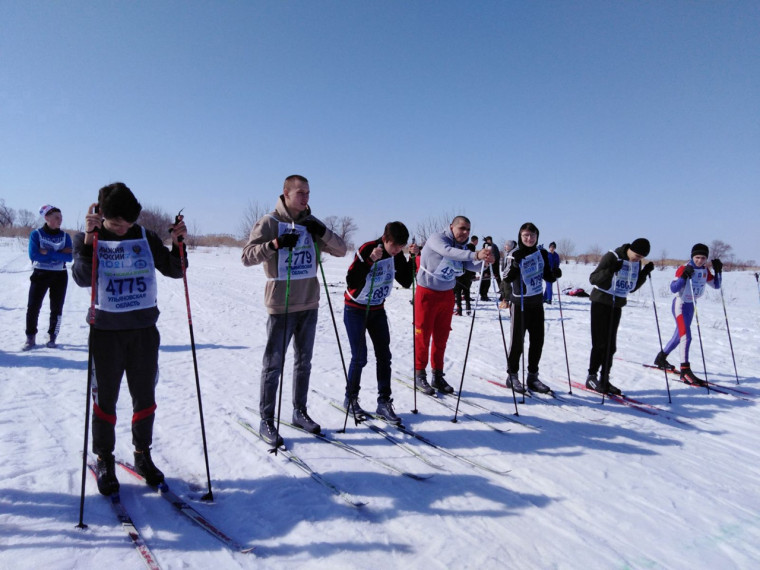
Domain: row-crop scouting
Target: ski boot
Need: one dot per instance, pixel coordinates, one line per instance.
(30, 343)
(440, 384)
(420, 381)
(535, 385)
(144, 466)
(355, 409)
(301, 419)
(385, 411)
(514, 382)
(687, 376)
(269, 434)
(661, 362)
(105, 471)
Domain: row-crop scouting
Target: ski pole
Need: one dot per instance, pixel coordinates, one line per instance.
(659, 336)
(728, 330)
(273, 449)
(699, 332)
(467, 351)
(91, 321)
(607, 356)
(504, 342)
(564, 339)
(332, 314)
(210, 495)
(414, 326)
(350, 388)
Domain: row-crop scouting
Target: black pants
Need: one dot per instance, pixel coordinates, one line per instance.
(114, 353)
(534, 326)
(604, 326)
(43, 280)
(485, 285)
(462, 289)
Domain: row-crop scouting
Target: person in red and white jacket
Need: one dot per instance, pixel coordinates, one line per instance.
(369, 281)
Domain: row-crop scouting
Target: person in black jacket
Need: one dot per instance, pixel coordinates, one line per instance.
(526, 270)
(619, 272)
(124, 337)
(369, 281)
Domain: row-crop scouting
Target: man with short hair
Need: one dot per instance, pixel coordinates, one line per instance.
(444, 257)
(285, 242)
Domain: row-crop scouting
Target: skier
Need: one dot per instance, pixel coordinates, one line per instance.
(124, 334)
(283, 241)
(509, 245)
(619, 272)
(683, 307)
(50, 249)
(369, 281)
(553, 263)
(444, 257)
(528, 268)
(485, 281)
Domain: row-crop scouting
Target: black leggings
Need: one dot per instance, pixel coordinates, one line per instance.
(603, 340)
(41, 281)
(534, 326)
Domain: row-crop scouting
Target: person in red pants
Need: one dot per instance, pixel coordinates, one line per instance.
(444, 258)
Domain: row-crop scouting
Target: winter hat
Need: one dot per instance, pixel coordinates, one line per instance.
(117, 201)
(553, 244)
(48, 209)
(510, 245)
(700, 249)
(640, 246)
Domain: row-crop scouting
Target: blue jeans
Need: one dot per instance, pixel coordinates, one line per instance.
(301, 327)
(377, 327)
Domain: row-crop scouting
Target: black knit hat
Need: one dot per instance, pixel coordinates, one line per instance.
(700, 249)
(640, 246)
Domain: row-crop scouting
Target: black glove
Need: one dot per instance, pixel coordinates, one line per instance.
(315, 227)
(648, 268)
(557, 272)
(288, 240)
(519, 254)
(717, 265)
(688, 271)
(617, 265)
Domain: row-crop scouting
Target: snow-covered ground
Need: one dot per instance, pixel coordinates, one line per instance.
(590, 485)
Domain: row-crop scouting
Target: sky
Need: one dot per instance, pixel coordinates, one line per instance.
(598, 121)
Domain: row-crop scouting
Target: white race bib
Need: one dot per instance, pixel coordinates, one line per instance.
(126, 276)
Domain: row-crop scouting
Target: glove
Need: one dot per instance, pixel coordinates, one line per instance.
(519, 254)
(648, 268)
(315, 227)
(717, 265)
(688, 271)
(617, 265)
(557, 272)
(287, 241)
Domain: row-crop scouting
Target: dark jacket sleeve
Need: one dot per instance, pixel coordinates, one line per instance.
(548, 271)
(167, 261)
(81, 270)
(404, 269)
(359, 269)
(604, 272)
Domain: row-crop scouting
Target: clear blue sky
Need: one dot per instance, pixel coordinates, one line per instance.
(600, 121)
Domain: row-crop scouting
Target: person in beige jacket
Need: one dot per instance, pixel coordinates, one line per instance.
(283, 241)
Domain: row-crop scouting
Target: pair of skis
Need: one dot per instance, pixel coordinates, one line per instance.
(182, 506)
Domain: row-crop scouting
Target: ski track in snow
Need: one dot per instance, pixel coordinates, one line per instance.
(597, 486)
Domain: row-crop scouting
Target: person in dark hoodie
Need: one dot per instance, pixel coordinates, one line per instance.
(619, 272)
(527, 269)
(124, 337)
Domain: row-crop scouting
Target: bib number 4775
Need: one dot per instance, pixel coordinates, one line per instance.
(126, 285)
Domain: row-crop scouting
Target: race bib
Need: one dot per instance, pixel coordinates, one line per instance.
(698, 284)
(624, 280)
(380, 280)
(126, 276)
(532, 272)
(303, 264)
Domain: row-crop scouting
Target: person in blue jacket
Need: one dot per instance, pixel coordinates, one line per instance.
(50, 248)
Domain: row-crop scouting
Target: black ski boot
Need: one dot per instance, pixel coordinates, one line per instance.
(688, 377)
(661, 362)
(268, 433)
(355, 409)
(51, 343)
(610, 388)
(440, 384)
(30, 343)
(420, 381)
(514, 382)
(592, 383)
(105, 470)
(535, 385)
(385, 411)
(301, 419)
(144, 466)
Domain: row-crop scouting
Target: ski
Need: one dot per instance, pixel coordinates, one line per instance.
(418, 436)
(353, 450)
(442, 400)
(380, 431)
(129, 527)
(553, 399)
(187, 510)
(293, 458)
(632, 403)
(721, 389)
